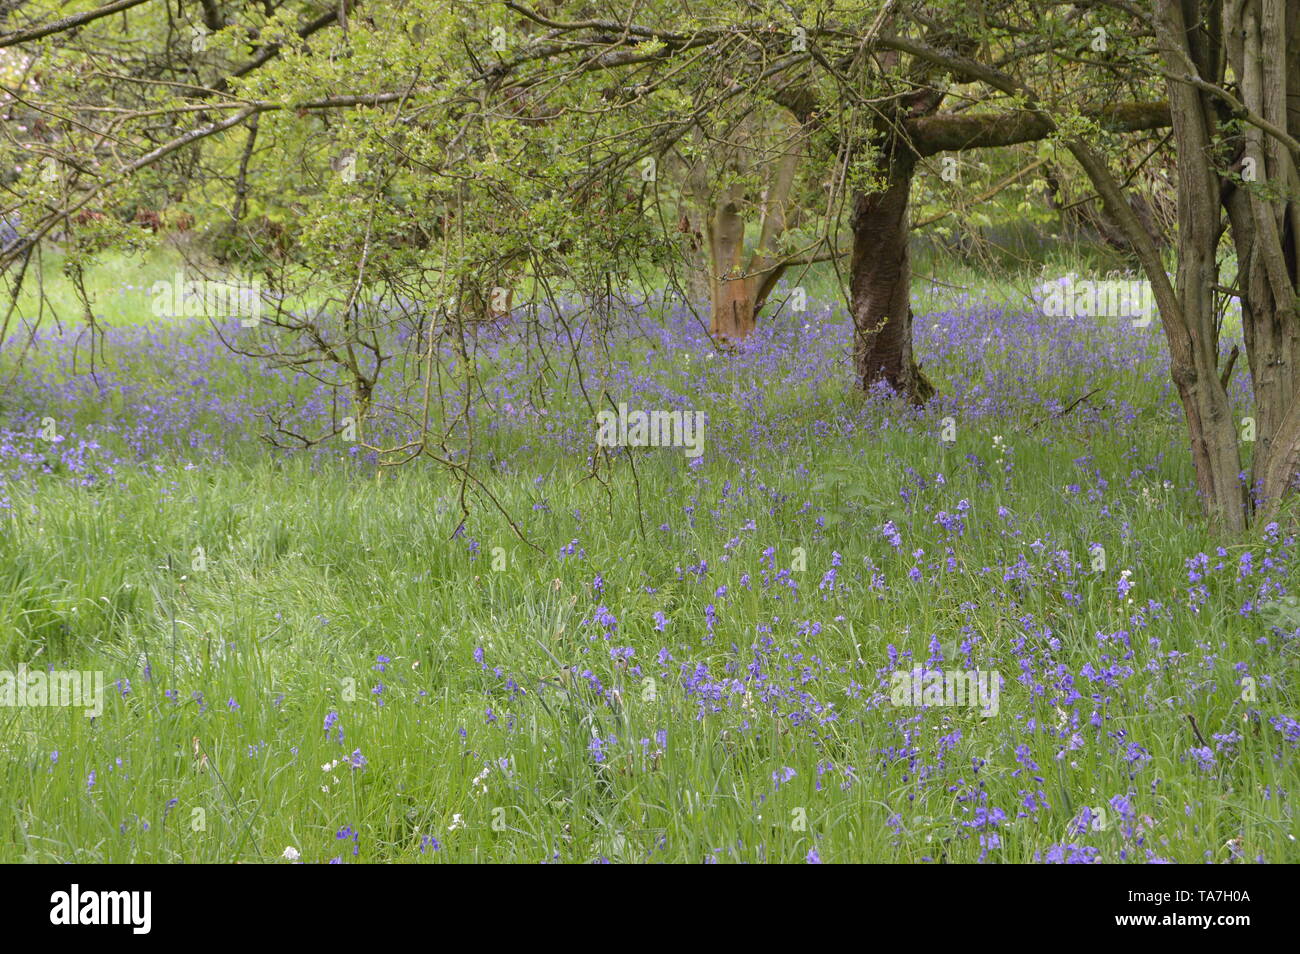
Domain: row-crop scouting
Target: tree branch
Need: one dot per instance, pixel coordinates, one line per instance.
(946, 132)
(67, 23)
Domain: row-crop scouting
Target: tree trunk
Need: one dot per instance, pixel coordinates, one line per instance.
(880, 279)
(1194, 352)
(1262, 39)
(737, 287)
(697, 286)
(697, 251)
(1210, 425)
(1187, 312)
(1272, 340)
(766, 266)
(732, 305)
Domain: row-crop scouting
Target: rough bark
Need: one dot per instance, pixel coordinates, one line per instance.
(1194, 345)
(880, 269)
(950, 132)
(1262, 38)
(880, 279)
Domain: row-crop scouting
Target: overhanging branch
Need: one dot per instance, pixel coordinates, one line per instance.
(947, 132)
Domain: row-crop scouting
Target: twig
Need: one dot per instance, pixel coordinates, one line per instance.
(1073, 404)
(1200, 738)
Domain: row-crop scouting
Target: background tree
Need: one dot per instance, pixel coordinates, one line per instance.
(417, 170)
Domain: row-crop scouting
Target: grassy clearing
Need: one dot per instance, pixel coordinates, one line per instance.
(341, 671)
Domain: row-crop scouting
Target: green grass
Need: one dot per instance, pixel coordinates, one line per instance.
(310, 577)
